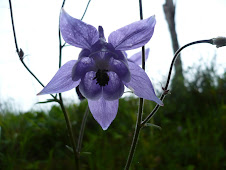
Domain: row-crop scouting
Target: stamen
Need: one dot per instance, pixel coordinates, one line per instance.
(102, 77)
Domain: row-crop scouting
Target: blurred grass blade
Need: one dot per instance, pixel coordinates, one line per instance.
(69, 148)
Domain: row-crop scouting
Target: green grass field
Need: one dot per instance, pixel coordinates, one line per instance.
(193, 134)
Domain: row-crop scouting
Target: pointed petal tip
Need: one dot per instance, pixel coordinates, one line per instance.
(159, 102)
(103, 111)
(104, 128)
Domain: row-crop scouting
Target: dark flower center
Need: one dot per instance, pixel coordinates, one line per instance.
(102, 77)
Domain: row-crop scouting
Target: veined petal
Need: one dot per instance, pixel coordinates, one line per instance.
(141, 84)
(77, 33)
(134, 35)
(103, 111)
(62, 81)
(89, 87)
(115, 88)
(120, 68)
(137, 58)
(82, 66)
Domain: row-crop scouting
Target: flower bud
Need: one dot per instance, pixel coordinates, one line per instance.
(219, 41)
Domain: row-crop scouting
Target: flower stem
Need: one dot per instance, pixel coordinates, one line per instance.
(14, 32)
(20, 52)
(169, 76)
(85, 10)
(140, 110)
(70, 131)
(69, 127)
(140, 123)
(136, 135)
(60, 101)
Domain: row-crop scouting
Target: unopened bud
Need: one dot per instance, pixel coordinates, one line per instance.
(219, 41)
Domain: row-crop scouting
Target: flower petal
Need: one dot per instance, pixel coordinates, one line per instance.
(82, 66)
(89, 87)
(134, 35)
(120, 68)
(103, 111)
(77, 33)
(137, 58)
(62, 81)
(141, 84)
(101, 59)
(115, 88)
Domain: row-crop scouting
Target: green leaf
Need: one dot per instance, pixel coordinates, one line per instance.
(47, 101)
(153, 125)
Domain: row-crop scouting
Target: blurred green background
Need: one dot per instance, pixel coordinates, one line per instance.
(193, 134)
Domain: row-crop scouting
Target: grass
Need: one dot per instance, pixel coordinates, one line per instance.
(192, 136)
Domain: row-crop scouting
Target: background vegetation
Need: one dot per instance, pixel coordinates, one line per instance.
(192, 136)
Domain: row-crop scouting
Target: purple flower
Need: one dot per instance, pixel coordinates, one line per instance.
(102, 68)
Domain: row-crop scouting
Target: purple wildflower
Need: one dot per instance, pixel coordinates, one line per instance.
(102, 68)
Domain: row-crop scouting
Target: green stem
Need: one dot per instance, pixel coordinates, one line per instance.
(70, 131)
(140, 110)
(169, 77)
(85, 10)
(20, 52)
(136, 135)
(69, 127)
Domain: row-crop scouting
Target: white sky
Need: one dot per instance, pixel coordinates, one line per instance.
(36, 25)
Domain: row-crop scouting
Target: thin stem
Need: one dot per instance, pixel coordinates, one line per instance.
(66, 116)
(60, 43)
(81, 133)
(14, 32)
(85, 10)
(69, 127)
(20, 52)
(169, 76)
(136, 135)
(140, 110)
(70, 131)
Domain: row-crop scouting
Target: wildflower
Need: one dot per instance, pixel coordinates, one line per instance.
(102, 68)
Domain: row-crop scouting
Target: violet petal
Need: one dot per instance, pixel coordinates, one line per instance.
(82, 66)
(137, 58)
(103, 111)
(141, 84)
(134, 35)
(62, 81)
(77, 33)
(115, 88)
(89, 87)
(120, 68)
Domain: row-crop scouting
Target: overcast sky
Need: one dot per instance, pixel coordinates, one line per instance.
(36, 23)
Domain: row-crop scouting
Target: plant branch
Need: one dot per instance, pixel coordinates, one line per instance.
(20, 52)
(140, 110)
(169, 77)
(69, 127)
(85, 9)
(70, 131)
